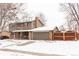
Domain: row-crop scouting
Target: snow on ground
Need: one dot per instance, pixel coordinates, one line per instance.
(3, 53)
(47, 47)
(6, 43)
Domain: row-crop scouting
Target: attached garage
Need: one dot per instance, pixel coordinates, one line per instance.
(40, 36)
(41, 33)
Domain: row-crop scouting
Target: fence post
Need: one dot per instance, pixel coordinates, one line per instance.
(63, 36)
(50, 35)
(75, 35)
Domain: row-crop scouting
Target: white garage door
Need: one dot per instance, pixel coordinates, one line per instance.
(40, 36)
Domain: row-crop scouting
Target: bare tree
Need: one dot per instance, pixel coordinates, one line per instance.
(72, 14)
(7, 13)
(22, 12)
(61, 28)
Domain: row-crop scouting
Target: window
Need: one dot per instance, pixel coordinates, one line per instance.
(29, 24)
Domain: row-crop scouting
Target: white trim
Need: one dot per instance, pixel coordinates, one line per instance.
(39, 29)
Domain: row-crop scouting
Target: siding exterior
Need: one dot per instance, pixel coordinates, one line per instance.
(26, 25)
(21, 26)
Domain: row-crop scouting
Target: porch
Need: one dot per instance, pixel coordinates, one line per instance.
(21, 35)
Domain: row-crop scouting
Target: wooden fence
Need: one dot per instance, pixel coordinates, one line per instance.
(78, 36)
(57, 36)
(64, 36)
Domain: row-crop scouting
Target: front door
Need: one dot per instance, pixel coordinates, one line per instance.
(25, 35)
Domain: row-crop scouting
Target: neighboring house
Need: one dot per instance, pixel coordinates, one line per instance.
(5, 35)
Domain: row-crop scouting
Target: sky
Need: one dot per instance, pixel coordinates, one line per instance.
(54, 17)
(50, 8)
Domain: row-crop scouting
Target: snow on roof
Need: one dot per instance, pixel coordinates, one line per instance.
(42, 29)
(21, 30)
(39, 29)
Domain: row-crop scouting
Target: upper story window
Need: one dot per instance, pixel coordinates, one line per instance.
(28, 24)
(19, 24)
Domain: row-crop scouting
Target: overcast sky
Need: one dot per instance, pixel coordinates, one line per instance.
(51, 11)
(49, 7)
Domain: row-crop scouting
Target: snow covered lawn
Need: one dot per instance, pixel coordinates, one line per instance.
(42, 47)
(4, 43)
(6, 53)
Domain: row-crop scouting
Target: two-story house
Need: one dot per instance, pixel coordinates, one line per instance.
(23, 30)
(32, 30)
